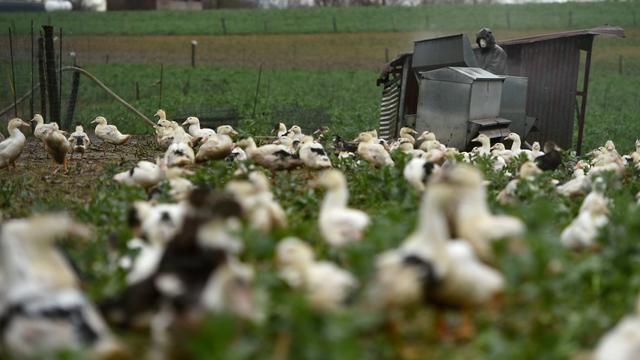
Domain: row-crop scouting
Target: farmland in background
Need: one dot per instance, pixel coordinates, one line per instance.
(347, 19)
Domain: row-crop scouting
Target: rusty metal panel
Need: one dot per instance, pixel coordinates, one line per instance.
(552, 68)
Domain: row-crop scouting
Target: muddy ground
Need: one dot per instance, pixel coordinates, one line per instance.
(79, 182)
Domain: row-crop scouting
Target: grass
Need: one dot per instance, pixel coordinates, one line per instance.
(557, 302)
(349, 19)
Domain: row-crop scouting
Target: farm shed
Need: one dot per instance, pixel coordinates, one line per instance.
(553, 63)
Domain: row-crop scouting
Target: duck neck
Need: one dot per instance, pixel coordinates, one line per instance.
(15, 132)
(515, 146)
(336, 198)
(486, 146)
(251, 147)
(432, 224)
(194, 128)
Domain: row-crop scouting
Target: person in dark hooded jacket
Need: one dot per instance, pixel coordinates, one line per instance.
(491, 56)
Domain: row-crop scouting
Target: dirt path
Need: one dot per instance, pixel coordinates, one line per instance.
(80, 182)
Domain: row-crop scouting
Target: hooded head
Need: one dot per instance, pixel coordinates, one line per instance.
(485, 39)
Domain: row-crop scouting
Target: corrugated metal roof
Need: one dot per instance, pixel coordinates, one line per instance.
(602, 30)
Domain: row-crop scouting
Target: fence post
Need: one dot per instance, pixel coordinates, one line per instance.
(161, 85)
(42, 78)
(508, 19)
(194, 44)
(620, 69)
(73, 96)
(266, 26)
(426, 21)
(52, 79)
(386, 55)
(13, 75)
(60, 72)
(255, 100)
(570, 18)
(33, 91)
(137, 90)
(223, 22)
(335, 24)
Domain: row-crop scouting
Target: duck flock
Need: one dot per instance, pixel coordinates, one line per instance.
(185, 258)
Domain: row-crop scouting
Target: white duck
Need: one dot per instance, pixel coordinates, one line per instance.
(535, 150)
(179, 154)
(417, 172)
(579, 184)
(145, 174)
(593, 215)
(295, 133)
(485, 142)
(623, 341)
(41, 128)
(281, 130)
(79, 141)
(338, 224)
(44, 310)
(431, 267)
(109, 133)
(313, 155)
(217, 146)
(195, 130)
(271, 156)
(258, 202)
(528, 172)
(326, 286)
(11, 147)
(372, 151)
(516, 146)
(470, 215)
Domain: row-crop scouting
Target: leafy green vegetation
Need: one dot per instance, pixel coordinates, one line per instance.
(347, 19)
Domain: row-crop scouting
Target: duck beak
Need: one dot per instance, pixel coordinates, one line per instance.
(477, 139)
(414, 132)
(185, 123)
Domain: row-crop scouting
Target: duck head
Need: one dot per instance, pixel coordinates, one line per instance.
(482, 139)
(331, 179)
(100, 120)
(191, 120)
(529, 169)
(226, 130)
(294, 252)
(161, 114)
(16, 123)
(37, 120)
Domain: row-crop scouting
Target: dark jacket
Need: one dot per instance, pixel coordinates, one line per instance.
(492, 57)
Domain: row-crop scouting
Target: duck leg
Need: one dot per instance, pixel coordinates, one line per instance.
(440, 325)
(467, 329)
(64, 165)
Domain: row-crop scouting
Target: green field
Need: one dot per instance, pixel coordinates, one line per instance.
(557, 304)
(349, 19)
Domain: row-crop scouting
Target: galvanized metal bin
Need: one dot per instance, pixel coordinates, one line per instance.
(456, 103)
(440, 52)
